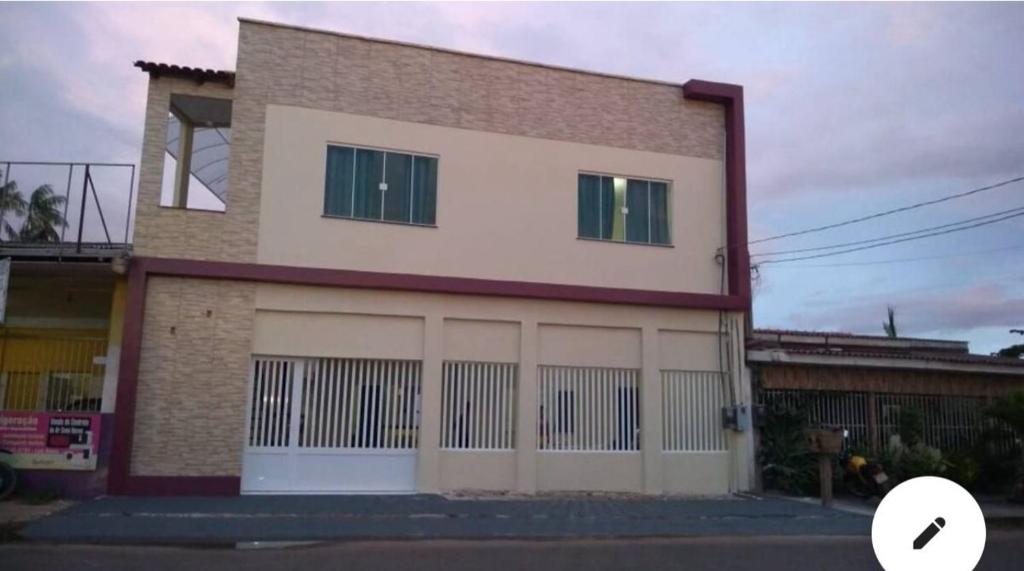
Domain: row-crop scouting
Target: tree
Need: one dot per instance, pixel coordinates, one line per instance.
(1013, 351)
(1009, 409)
(11, 201)
(890, 326)
(43, 216)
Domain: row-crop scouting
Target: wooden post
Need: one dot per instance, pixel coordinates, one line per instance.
(826, 443)
(825, 476)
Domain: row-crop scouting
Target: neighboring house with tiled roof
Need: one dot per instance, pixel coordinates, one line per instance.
(860, 382)
(830, 349)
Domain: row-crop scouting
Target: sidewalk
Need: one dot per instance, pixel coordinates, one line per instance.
(16, 513)
(332, 518)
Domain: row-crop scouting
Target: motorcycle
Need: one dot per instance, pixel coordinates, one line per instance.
(862, 478)
(8, 477)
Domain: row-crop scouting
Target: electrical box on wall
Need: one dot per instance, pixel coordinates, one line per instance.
(736, 417)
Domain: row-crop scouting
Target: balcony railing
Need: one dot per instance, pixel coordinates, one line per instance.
(65, 208)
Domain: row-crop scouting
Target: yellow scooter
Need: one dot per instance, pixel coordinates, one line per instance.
(862, 478)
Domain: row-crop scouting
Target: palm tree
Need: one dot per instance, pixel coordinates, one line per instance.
(43, 216)
(10, 201)
(890, 326)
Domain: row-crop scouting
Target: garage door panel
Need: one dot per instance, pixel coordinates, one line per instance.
(356, 472)
(332, 425)
(266, 471)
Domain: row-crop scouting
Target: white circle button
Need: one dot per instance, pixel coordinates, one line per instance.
(928, 523)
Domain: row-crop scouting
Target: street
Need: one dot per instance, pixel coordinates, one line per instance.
(697, 553)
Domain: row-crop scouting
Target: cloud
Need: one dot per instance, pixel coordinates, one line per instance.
(850, 109)
(956, 311)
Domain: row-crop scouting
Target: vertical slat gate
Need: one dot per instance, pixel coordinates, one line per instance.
(343, 404)
(270, 405)
(588, 409)
(476, 406)
(691, 411)
(948, 422)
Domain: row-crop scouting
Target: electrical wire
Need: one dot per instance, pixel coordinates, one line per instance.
(888, 212)
(905, 260)
(871, 246)
(889, 237)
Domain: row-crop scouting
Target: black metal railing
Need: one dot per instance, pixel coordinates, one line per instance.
(67, 207)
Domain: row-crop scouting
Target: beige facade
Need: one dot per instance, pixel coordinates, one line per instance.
(511, 139)
(506, 207)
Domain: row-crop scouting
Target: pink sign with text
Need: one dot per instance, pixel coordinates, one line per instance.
(51, 440)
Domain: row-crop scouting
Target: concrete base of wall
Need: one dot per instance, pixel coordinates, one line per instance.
(488, 471)
(590, 471)
(697, 473)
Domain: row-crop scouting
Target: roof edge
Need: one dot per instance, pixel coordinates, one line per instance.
(839, 336)
(783, 357)
(197, 74)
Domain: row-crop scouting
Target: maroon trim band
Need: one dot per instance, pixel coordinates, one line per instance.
(433, 284)
(183, 486)
(127, 381)
(737, 256)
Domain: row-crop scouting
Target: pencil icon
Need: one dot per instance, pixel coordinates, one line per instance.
(929, 532)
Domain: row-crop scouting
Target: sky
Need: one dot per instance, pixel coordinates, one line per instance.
(851, 109)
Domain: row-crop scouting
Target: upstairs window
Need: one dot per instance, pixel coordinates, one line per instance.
(368, 184)
(622, 209)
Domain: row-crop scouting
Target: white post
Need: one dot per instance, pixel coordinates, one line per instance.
(183, 169)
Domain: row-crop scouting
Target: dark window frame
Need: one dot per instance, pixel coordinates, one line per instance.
(609, 207)
(373, 205)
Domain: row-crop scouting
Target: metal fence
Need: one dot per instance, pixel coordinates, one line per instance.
(478, 404)
(51, 373)
(360, 403)
(948, 422)
(692, 404)
(335, 403)
(588, 409)
(271, 403)
(66, 206)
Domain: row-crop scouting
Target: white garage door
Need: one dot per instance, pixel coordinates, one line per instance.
(331, 426)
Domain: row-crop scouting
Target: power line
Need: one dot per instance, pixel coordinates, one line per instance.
(905, 260)
(870, 246)
(888, 212)
(889, 237)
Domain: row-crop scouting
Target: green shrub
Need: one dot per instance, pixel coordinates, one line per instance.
(918, 460)
(911, 426)
(964, 468)
(1006, 462)
(787, 465)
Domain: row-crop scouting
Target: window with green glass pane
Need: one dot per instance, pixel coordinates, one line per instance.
(368, 184)
(622, 209)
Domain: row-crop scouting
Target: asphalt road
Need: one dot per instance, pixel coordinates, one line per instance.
(1004, 551)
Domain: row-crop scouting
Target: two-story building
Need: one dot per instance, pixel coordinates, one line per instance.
(370, 266)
